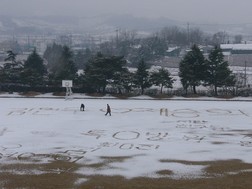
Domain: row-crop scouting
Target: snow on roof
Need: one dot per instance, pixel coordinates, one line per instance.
(236, 46)
(226, 53)
(170, 49)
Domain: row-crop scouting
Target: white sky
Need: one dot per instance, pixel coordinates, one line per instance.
(222, 11)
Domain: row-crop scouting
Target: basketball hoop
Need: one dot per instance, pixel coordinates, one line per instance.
(68, 84)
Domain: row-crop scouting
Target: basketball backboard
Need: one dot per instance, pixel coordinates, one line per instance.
(67, 83)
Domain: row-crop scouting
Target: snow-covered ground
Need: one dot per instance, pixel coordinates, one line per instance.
(146, 134)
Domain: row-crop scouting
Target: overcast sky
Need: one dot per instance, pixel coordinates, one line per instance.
(221, 11)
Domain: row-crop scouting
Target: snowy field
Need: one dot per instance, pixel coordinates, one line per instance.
(148, 135)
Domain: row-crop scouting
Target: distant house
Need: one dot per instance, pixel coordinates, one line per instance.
(237, 48)
(238, 54)
(173, 51)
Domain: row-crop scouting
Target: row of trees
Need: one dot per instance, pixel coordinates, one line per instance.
(31, 72)
(36, 72)
(149, 48)
(135, 47)
(154, 46)
(102, 71)
(195, 70)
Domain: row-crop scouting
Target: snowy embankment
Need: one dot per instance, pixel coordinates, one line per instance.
(141, 97)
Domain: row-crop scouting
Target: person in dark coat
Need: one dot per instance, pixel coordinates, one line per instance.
(108, 110)
(82, 107)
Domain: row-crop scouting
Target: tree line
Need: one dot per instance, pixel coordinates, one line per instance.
(135, 47)
(104, 73)
(154, 46)
(195, 70)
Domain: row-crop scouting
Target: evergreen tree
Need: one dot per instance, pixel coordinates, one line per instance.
(218, 72)
(162, 78)
(192, 68)
(52, 55)
(65, 65)
(10, 72)
(123, 81)
(81, 58)
(101, 70)
(11, 56)
(34, 69)
(142, 77)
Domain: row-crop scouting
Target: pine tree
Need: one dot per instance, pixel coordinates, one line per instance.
(142, 77)
(123, 80)
(65, 66)
(11, 56)
(192, 68)
(10, 72)
(218, 72)
(52, 55)
(103, 69)
(162, 78)
(81, 58)
(34, 69)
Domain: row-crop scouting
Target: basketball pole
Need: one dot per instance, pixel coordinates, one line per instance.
(68, 85)
(68, 92)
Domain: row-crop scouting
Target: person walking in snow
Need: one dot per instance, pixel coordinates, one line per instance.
(108, 110)
(82, 107)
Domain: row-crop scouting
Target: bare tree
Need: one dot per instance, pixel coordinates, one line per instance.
(220, 38)
(237, 39)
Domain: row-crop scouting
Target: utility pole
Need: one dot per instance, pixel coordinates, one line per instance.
(117, 42)
(117, 36)
(245, 74)
(188, 33)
